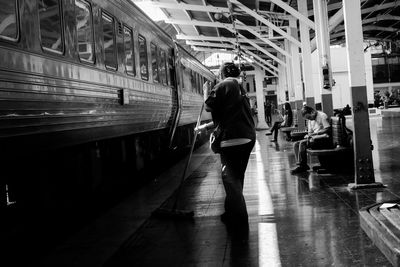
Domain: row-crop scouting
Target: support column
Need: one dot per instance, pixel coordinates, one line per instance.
(296, 73)
(306, 55)
(323, 46)
(364, 169)
(259, 77)
(289, 75)
(282, 83)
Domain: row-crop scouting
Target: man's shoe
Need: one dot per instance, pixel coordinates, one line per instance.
(268, 133)
(299, 169)
(273, 140)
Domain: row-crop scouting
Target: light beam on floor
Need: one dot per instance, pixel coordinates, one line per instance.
(268, 248)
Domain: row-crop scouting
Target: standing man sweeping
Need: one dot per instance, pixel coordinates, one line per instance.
(230, 110)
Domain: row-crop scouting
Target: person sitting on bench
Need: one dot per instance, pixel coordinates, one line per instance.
(318, 137)
(287, 122)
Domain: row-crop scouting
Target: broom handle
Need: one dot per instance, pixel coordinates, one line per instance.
(189, 158)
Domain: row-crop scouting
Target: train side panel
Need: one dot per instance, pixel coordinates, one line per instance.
(52, 98)
(79, 118)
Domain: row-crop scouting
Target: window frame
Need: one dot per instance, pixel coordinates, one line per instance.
(157, 63)
(92, 27)
(164, 60)
(17, 23)
(146, 57)
(46, 49)
(133, 73)
(105, 14)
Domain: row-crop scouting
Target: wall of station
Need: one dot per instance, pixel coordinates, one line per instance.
(340, 73)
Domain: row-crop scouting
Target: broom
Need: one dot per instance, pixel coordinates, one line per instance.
(174, 212)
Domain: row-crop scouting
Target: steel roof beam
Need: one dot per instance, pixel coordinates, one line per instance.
(267, 69)
(208, 44)
(338, 18)
(262, 60)
(277, 15)
(202, 49)
(379, 28)
(213, 38)
(266, 22)
(190, 17)
(211, 17)
(331, 7)
(248, 52)
(209, 24)
(294, 13)
(183, 6)
(274, 74)
(219, 45)
(264, 51)
(333, 22)
(267, 41)
(380, 18)
(230, 28)
(211, 50)
(264, 67)
(374, 19)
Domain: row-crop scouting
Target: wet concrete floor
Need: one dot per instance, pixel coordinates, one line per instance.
(295, 220)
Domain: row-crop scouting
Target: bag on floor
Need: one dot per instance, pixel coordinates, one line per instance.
(215, 140)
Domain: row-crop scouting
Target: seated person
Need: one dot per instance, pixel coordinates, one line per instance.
(318, 137)
(346, 110)
(287, 122)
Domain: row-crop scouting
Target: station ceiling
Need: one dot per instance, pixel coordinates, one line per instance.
(206, 26)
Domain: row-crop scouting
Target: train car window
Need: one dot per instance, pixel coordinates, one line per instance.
(144, 69)
(187, 85)
(50, 25)
(109, 41)
(84, 30)
(171, 68)
(129, 52)
(163, 67)
(198, 83)
(201, 84)
(8, 20)
(154, 56)
(193, 80)
(196, 89)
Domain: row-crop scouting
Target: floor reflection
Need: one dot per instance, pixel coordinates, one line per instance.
(268, 250)
(319, 214)
(303, 220)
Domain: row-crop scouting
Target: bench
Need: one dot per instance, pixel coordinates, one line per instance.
(382, 225)
(339, 157)
(298, 134)
(293, 131)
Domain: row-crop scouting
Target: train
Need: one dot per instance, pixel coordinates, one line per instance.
(92, 93)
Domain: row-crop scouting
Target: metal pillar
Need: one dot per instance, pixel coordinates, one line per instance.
(259, 77)
(323, 46)
(296, 73)
(282, 81)
(306, 55)
(364, 170)
(289, 75)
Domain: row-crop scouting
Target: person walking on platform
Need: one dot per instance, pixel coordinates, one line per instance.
(287, 122)
(268, 112)
(318, 137)
(230, 110)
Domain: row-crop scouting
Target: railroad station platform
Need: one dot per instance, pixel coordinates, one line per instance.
(295, 220)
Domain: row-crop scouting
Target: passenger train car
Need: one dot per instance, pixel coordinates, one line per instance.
(90, 91)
